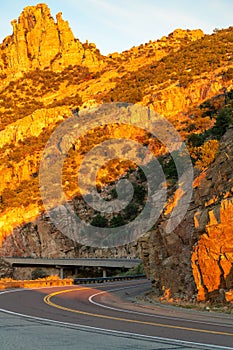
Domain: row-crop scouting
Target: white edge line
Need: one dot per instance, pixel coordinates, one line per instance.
(109, 331)
(90, 299)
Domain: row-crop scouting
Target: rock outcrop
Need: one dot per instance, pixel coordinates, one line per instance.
(212, 256)
(196, 258)
(38, 42)
(6, 270)
(40, 238)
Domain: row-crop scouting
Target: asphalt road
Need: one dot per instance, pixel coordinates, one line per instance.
(104, 317)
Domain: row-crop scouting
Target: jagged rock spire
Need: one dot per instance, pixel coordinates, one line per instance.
(38, 41)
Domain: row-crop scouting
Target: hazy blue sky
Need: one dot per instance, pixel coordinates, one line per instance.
(117, 25)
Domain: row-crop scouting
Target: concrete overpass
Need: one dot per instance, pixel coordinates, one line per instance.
(62, 263)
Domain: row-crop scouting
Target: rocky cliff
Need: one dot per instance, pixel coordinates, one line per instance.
(6, 270)
(196, 258)
(212, 253)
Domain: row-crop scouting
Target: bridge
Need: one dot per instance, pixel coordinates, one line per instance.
(62, 263)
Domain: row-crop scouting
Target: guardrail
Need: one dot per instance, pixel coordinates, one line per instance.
(36, 283)
(107, 279)
(46, 282)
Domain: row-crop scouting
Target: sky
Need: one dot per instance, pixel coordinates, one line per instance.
(117, 25)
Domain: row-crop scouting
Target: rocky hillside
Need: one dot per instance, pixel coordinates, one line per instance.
(196, 258)
(47, 75)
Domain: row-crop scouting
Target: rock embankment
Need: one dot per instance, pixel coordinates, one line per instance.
(197, 258)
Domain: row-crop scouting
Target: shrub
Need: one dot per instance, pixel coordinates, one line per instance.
(207, 154)
(99, 221)
(228, 75)
(117, 221)
(131, 211)
(223, 121)
(38, 273)
(139, 193)
(195, 140)
(170, 169)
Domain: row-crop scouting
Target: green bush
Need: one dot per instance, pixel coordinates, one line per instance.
(131, 211)
(117, 221)
(223, 121)
(139, 193)
(195, 140)
(38, 273)
(170, 169)
(99, 221)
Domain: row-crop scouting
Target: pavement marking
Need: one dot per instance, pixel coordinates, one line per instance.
(47, 300)
(112, 332)
(120, 333)
(227, 325)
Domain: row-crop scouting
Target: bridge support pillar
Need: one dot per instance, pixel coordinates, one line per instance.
(104, 273)
(61, 273)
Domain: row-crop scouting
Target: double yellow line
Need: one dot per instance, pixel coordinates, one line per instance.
(47, 300)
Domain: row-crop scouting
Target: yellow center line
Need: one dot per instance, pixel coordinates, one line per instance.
(47, 300)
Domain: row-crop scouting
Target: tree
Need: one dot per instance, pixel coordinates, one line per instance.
(117, 221)
(223, 121)
(131, 211)
(195, 140)
(99, 221)
(139, 193)
(170, 169)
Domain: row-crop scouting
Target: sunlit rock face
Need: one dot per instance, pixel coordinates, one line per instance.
(39, 42)
(197, 258)
(212, 256)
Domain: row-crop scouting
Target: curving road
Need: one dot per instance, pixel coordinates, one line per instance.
(104, 317)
